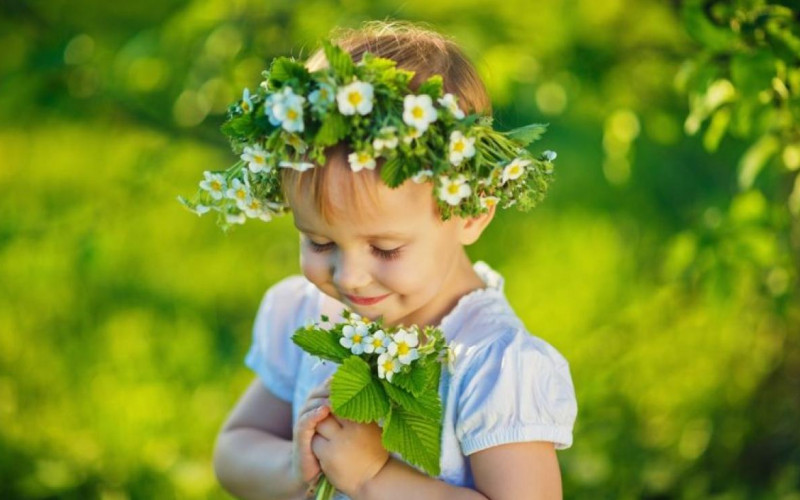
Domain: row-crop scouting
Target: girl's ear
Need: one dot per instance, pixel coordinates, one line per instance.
(470, 229)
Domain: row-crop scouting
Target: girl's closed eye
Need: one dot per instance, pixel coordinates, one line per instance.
(379, 252)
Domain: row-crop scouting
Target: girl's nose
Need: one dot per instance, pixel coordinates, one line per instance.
(349, 273)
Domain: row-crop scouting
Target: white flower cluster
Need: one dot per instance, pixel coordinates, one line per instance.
(283, 125)
(394, 350)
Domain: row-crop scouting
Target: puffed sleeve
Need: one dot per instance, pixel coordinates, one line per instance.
(516, 388)
(273, 356)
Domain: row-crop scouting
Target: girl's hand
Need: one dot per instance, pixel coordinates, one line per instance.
(350, 454)
(305, 465)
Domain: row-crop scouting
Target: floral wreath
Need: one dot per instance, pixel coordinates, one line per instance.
(423, 136)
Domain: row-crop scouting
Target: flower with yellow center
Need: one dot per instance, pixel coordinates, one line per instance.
(247, 104)
(488, 202)
(256, 158)
(448, 101)
(214, 184)
(404, 346)
(461, 147)
(376, 343)
(353, 338)
(240, 193)
(387, 366)
(361, 160)
(514, 169)
(453, 191)
(356, 97)
(418, 111)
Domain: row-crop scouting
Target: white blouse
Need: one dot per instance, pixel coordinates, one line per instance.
(505, 385)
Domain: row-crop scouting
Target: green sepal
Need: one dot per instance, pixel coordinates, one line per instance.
(415, 437)
(426, 404)
(322, 343)
(527, 134)
(433, 86)
(339, 60)
(356, 393)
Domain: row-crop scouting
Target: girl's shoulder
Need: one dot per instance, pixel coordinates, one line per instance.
(291, 302)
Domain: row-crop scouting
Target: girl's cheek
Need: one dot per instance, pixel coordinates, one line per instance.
(314, 266)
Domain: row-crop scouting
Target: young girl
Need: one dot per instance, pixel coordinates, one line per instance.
(508, 397)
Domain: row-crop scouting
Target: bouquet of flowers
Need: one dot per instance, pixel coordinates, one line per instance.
(385, 375)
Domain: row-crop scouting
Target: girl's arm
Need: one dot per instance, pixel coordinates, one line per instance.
(512, 471)
(254, 457)
(355, 461)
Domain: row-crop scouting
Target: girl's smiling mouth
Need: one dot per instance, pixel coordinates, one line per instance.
(365, 301)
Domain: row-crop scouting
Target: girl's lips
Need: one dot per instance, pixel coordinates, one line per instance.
(365, 301)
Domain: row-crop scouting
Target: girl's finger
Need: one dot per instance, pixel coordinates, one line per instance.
(328, 427)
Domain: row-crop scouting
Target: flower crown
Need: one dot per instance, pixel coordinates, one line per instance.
(424, 136)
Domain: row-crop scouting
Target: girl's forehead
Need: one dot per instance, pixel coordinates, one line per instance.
(361, 198)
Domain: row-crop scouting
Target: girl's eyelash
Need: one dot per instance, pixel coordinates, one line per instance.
(383, 254)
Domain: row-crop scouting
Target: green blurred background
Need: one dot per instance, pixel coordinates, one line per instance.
(664, 265)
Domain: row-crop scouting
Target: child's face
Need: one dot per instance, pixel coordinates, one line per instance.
(394, 258)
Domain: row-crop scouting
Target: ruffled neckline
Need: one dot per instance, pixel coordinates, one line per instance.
(494, 285)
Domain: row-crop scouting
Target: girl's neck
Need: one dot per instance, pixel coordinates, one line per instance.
(462, 280)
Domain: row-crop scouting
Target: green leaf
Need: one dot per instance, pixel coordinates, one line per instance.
(321, 343)
(284, 69)
(239, 126)
(423, 375)
(392, 172)
(339, 60)
(433, 86)
(333, 129)
(427, 404)
(417, 439)
(356, 393)
(528, 134)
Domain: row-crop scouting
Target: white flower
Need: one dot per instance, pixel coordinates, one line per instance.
(461, 147)
(355, 98)
(418, 111)
(285, 109)
(488, 202)
(254, 208)
(247, 104)
(449, 101)
(453, 190)
(361, 160)
(321, 97)
(300, 166)
(239, 218)
(256, 158)
(413, 133)
(549, 155)
(200, 209)
(214, 184)
(386, 140)
(354, 337)
(514, 169)
(387, 366)
(404, 346)
(377, 342)
(422, 176)
(239, 192)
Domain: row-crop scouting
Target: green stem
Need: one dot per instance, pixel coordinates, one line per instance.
(325, 489)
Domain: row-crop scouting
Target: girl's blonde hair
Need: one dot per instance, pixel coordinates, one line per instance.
(413, 47)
